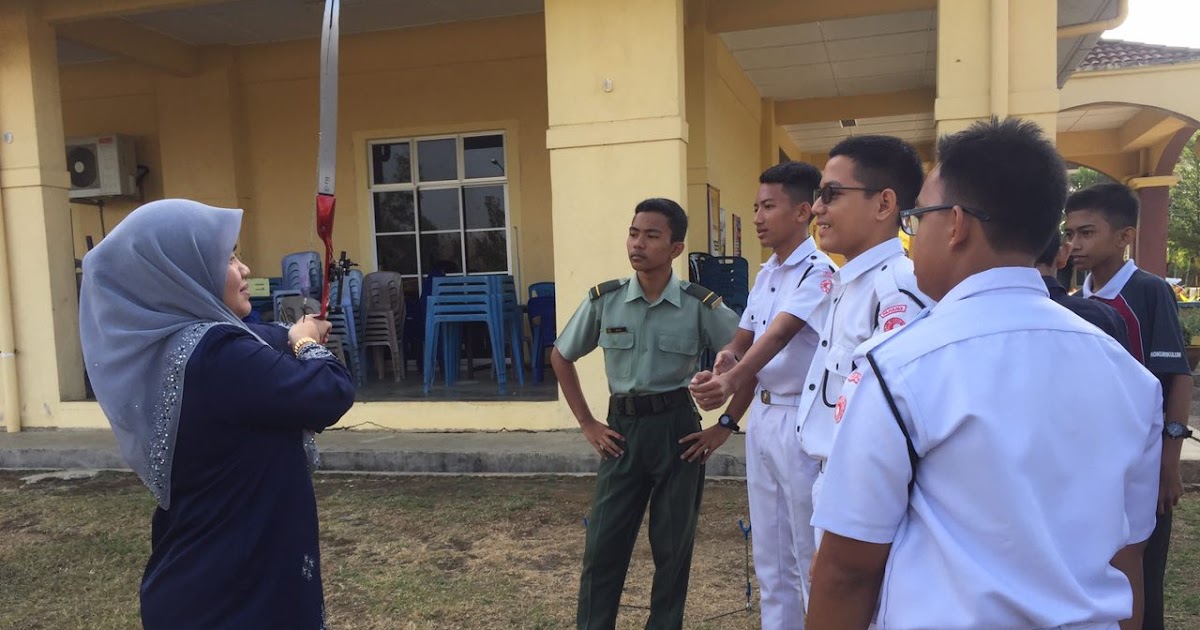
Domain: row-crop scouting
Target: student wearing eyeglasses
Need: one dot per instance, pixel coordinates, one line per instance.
(970, 493)
(867, 181)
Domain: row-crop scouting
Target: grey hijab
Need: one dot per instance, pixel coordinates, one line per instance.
(150, 291)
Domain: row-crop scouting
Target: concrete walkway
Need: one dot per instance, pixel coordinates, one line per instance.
(507, 452)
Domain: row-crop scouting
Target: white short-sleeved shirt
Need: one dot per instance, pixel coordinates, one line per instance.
(863, 304)
(1038, 440)
(795, 287)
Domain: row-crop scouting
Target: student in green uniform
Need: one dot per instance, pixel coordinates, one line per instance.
(653, 328)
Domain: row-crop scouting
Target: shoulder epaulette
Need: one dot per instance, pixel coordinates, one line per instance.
(604, 287)
(709, 298)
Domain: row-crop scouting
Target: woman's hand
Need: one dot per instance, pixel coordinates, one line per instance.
(308, 326)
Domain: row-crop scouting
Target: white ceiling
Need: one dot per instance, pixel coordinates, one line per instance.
(1096, 117)
(879, 53)
(821, 136)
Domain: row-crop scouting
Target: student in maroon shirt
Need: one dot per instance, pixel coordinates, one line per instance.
(1101, 223)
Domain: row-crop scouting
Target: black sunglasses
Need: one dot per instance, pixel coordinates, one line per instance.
(911, 218)
(827, 193)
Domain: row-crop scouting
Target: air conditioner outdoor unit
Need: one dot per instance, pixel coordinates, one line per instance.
(102, 166)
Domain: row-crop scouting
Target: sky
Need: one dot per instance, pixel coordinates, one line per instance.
(1167, 22)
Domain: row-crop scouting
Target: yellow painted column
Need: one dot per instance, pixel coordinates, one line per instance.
(996, 58)
(37, 226)
(699, 64)
(617, 134)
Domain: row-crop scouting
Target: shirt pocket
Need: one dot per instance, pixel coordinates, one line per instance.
(676, 358)
(838, 360)
(618, 353)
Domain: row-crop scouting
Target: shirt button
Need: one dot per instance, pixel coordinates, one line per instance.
(883, 268)
(772, 289)
(811, 386)
(813, 257)
(824, 343)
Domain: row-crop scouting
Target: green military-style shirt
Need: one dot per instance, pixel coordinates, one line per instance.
(648, 348)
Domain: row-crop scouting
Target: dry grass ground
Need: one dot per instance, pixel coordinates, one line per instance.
(404, 552)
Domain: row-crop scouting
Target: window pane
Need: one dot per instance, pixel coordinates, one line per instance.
(436, 160)
(394, 211)
(484, 207)
(397, 253)
(483, 156)
(487, 252)
(441, 251)
(439, 209)
(391, 163)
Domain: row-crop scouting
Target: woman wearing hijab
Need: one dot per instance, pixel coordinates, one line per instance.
(215, 416)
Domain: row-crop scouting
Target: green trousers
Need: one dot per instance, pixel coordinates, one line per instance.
(649, 472)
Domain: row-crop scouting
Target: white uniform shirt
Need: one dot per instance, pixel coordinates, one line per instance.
(855, 313)
(1038, 440)
(795, 287)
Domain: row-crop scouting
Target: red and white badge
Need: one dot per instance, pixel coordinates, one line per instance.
(854, 377)
(840, 409)
(891, 317)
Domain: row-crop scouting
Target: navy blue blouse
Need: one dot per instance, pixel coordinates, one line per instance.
(239, 548)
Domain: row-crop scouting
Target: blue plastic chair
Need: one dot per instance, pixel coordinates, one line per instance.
(302, 272)
(490, 300)
(545, 332)
(728, 277)
(541, 289)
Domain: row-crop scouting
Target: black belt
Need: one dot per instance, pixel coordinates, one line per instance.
(646, 404)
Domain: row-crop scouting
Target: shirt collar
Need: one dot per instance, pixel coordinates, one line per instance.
(996, 279)
(1111, 290)
(672, 293)
(1054, 286)
(869, 260)
(806, 249)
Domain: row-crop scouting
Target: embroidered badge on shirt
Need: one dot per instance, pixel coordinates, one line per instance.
(892, 323)
(892, 310)
(840, 409)
(854, 377)
(826, 285)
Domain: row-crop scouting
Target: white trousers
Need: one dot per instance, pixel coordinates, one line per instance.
(779, 480)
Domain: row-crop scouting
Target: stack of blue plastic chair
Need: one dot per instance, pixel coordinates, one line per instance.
(490, 300)
(728, 277)
(543, 330)
(302, 272)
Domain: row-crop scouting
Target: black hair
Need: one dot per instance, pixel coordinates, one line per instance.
(799, 180)
(1051, 252)
(885, 162)
(676, 217)
(1009, 171)
(1116, 202)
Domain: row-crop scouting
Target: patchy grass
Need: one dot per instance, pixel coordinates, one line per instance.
(407, 552)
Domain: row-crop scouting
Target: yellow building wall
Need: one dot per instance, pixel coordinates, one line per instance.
(454, 78)
(725, 144)
(111, 97)
(472, 76)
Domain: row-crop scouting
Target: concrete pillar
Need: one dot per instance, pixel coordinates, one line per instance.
(33, 195)
(996, 58)
(1154, 195)
(617, 134)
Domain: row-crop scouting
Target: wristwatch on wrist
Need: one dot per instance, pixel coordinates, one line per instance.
(1176, 430)
(728, 422)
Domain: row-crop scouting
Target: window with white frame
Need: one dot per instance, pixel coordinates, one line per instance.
(440, 203)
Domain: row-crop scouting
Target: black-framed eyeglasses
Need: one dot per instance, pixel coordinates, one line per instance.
(829, 192)
(911, 218)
